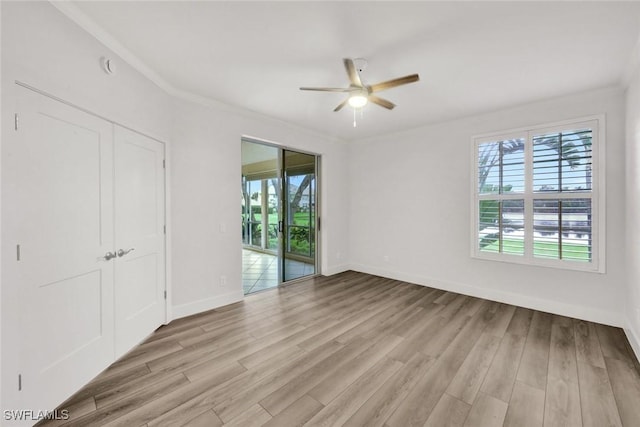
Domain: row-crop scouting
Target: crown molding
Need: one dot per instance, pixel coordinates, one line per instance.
(250, 114)
(72, 12)
(76, 15)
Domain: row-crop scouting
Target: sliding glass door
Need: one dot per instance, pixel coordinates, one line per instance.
(279, 215)
(260, 216)
(299, 215)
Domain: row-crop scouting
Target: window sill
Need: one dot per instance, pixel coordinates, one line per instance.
(588, 267)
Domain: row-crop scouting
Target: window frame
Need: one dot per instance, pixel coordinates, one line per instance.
(597, 194)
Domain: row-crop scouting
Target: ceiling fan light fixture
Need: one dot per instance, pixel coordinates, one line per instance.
(361, 94)
(358, 101)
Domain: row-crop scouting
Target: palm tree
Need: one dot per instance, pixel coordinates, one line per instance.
(297, 197)
(492, 155)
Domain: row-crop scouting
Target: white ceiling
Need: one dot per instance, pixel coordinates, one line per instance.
(472, 57)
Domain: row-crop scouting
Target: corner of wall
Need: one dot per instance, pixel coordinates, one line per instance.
(199, 306)
(631, 81)
(634, 340)
(336, 269)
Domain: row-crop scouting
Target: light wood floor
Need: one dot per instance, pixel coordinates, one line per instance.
(360, 350)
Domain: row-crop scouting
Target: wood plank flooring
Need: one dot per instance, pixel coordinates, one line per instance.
(360, 350)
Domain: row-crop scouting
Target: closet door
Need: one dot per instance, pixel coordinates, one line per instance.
(62, 222)
(140, 237)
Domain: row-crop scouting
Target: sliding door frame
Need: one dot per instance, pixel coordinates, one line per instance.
(318, 206)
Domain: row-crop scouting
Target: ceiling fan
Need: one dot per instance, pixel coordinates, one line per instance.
(359, 93)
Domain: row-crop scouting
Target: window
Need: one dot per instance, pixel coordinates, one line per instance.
(539, 195)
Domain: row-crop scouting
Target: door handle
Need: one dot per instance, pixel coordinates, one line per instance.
(108, 256)
(280, 226)
(122, 252)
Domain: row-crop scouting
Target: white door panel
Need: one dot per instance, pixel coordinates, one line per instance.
(139, 224)
(72, 201)
(64, 211)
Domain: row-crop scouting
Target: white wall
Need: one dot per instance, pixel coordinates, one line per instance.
(205, 185)
(390, 196)
(42, 48)
(410, 201)
(632, 298)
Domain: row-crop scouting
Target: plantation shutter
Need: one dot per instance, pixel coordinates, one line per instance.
(501, 182)
(535, 196)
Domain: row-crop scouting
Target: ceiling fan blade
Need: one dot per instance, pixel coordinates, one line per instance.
(342, 104)
(394, 82)
(326, 89)
(354, 77)
(381, 102)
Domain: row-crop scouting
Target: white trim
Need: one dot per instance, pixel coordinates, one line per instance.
(633, 338)
(206, 304)
(597, 194)
(168, 258)
(249, 114)
(549, 306)
(86, 110)
(600, 194)
(336, 269)
(319, 215)
(76, 15)
(487, 136)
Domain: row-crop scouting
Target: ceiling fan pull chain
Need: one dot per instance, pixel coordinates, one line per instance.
(354, 117)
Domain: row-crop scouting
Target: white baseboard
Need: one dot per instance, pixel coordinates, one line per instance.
(633, 338)
(199, 306)
(555, 307)
(335, 269)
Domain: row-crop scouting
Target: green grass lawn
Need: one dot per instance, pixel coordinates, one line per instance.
(297, 245)
(542, 249)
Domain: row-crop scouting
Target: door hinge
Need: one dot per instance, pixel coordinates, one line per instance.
(164, 164)
(19, 382)
(18, 252)
(165, 294)
(164, 229)
(16, 119)
(318, 223)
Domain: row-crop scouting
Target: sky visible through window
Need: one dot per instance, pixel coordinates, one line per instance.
(560, 163)
(561, 160)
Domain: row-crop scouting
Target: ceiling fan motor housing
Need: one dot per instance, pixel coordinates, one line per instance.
(360, 63)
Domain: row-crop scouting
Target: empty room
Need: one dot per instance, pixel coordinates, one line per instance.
(363, 213)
